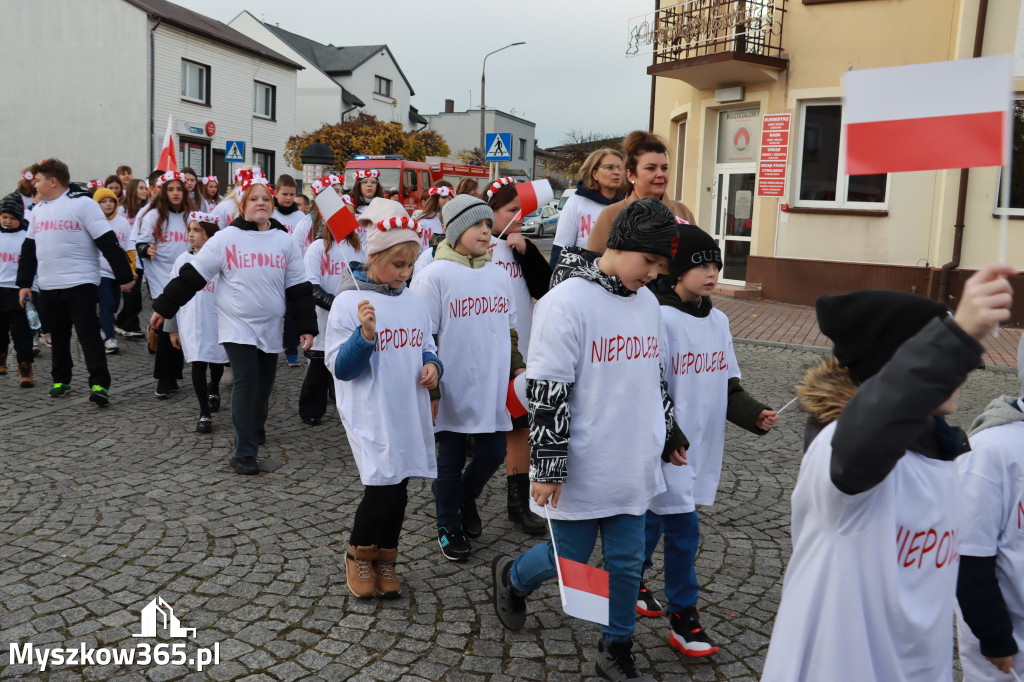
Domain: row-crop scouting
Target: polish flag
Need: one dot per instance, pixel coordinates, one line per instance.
(168, 157)
(516, 401)
(532, 195)
(583, 588)
(928, 116)
(340, 221)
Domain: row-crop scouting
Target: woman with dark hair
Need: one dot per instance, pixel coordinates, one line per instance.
(113, 183)
(647, 173)
(133, 202)
(366, 188)
(209, 195)
(191, 183)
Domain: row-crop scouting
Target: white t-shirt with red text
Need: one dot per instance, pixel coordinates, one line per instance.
(430, 227)
(607, 347)
(502, 256)
(471, 311)
(64, 231)
(289, 220)
(10, 256)
(122, 230)
(698, 359)
(869, 590)
(325, 270)
(173, 242)
(575, 221)
(197, 321)
(255, 268)
(385, 411)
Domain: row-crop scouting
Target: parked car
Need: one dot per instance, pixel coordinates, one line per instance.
(542, 221)
(565, 197)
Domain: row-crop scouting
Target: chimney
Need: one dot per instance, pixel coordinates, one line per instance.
(449, 106)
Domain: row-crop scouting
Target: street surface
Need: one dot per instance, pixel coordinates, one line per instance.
(102, 511)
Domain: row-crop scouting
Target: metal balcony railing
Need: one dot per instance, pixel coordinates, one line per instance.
(701, 28)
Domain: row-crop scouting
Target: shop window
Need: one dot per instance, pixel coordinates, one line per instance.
(821, 170)
(195, 82)
(264, 100)
(1016, 170)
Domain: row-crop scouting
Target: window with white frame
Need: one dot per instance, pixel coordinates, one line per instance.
(382, 86)
(1016, 169)
(264, 96)
(195, 82)
(821, 179)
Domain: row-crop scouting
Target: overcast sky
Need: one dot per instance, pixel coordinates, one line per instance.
(572, 72)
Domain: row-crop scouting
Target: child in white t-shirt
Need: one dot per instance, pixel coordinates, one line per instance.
(704, 381)
(286, 211)
(869, 590)
(109, 289)
(380, 350)
(530, 275)
(472, 312)
(429, 217)
(594, 372)
(194, 328)
(990, 586)
(13, 323)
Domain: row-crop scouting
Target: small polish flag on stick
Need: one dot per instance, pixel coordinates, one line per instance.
(532, 195)
(583, 588)
(903, 118)
(168, 157)
(516, 400)
(340, 221)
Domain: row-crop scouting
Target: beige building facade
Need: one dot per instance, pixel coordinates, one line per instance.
(724, 70)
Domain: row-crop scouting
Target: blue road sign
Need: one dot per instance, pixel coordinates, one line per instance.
(234, 151)
(499, 147)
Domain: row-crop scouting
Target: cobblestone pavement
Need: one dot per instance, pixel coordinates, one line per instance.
(103, 510)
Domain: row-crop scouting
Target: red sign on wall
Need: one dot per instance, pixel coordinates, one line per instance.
(211, 129)
(771, 169)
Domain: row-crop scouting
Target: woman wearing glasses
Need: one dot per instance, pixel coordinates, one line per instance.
(598, 184)
(647, 173)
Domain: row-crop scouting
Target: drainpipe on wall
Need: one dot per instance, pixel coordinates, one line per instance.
(961, 198)
(654, 57)
(152, 89)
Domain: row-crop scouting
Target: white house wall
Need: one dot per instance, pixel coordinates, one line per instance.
(361, 83)
(318, 97)
(83, 98)
(232, 76)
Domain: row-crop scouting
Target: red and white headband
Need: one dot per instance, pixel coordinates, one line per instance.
(441, 192)
(28, 176)
(498, 184)
(210, 178)
(201, 217)
(168, 176)
(94, 184)
(399, 224)
(242, 173)
(347, 199)
(367, 173)
(325, 182)
(255, 180)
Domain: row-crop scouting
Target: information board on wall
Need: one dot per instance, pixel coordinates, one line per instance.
(771, 168)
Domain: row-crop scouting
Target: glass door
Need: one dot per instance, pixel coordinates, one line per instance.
(734, 211)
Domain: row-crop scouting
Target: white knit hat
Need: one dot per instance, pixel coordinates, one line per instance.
(381, 209)
(391, 232)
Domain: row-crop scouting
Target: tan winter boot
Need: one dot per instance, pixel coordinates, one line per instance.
(3, 363)
(384, 576)
(359, 570)
(25, 375)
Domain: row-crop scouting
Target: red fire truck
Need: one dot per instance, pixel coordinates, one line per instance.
(412, 178)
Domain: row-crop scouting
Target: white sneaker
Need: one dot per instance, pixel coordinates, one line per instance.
(110, 345)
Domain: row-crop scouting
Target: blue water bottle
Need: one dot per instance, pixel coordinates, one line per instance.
(32, 314)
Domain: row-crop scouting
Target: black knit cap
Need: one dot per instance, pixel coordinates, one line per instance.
(645, 225)
(13, 205)
(868, 327)
(695, 248)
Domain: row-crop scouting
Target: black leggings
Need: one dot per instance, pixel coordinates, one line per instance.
(204, 390)
(380, 515)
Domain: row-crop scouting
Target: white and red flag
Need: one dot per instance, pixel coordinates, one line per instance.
(340, 221)
(928, 116)
(516, 401)
(168, 157)
(583, 588)
(532, 195)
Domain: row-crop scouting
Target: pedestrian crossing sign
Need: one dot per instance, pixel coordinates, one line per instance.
(499, 147)
(234, 151)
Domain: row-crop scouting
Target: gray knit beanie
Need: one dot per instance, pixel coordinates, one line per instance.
(645, 225)
(462, 213)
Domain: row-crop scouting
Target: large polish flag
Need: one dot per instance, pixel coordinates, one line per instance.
(340, 221)
(168, 158)
(928, 116)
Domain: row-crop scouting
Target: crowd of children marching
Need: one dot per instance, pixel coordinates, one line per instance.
(416, 327)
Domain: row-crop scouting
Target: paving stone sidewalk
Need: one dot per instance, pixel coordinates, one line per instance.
(102, 511)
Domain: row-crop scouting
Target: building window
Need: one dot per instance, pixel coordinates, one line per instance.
(382, 86)
(821, 176)
(265, 160)
(195, 82)
(1017, 167)
(522, 148)
(264, 100)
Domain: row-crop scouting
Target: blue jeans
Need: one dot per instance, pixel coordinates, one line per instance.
(110, 296)
(682, 535)
(622, 541)
(455, 486)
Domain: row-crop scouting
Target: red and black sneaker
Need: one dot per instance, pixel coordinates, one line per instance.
(647, 605)
(688, 636)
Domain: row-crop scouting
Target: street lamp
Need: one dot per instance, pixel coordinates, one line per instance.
(483, 71)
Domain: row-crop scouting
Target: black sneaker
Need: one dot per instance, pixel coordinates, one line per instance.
(647, 605)
(204, 425)
(163, 390)
(247, 466)
(509, 606)
(616, 662)
(100, 396)
(312, 421)
(214, 400)
(261, 436)
(471, 524)
(688, 636)
(454, 544)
